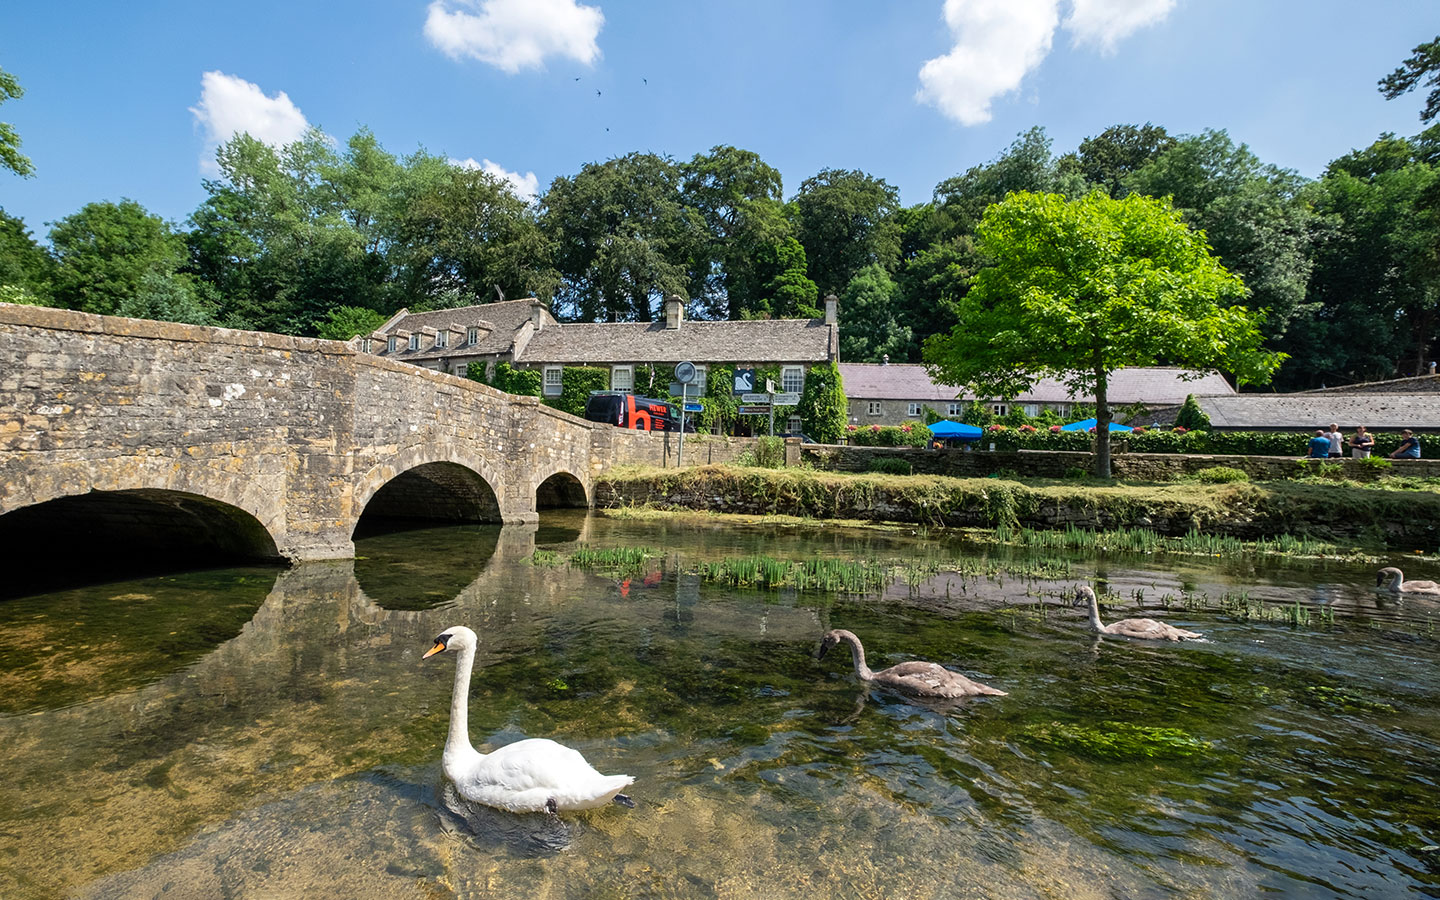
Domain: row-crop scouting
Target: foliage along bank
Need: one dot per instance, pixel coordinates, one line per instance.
(1341, 514)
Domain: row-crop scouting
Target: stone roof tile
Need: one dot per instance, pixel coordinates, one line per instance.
(751, 341)
(908, 381)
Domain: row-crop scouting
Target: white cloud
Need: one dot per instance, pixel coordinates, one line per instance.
(230, 105)
(526, 186)
(999, 42)
(996, 43)
(1104, 23)
(515, 34)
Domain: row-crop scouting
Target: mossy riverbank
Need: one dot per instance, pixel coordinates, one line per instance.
(1339, 513)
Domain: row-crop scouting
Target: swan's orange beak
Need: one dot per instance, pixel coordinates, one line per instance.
(439, 647)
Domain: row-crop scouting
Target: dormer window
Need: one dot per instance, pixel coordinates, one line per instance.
(442, 338)
(415, 341)
(365, 345)
(390, 344)
(472, 336)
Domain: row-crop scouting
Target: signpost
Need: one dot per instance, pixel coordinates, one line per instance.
(685, 374)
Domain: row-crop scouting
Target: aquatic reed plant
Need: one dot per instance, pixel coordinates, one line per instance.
(619, 559)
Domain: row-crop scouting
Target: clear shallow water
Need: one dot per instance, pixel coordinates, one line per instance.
(257, 733)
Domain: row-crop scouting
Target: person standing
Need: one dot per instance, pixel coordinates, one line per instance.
(1409, 446)
(1362, 443)
(1337, 441)
(1319, 447)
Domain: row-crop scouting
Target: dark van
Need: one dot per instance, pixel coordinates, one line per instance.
(630, 411)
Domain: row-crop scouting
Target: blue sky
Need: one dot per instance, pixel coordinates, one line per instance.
(118, 102)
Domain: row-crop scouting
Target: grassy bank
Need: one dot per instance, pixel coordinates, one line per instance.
(1338, 513)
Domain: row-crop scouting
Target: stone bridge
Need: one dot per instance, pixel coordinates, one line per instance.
(121, 435)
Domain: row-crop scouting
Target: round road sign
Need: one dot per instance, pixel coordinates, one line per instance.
(685, 373)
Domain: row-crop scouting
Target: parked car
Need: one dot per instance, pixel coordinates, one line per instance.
(629, 411)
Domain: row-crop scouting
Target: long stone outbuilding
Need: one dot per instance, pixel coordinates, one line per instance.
(265, 445)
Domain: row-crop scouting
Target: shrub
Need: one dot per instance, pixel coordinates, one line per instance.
(890, 465)
(1221, 475)
(768, 453)
(822, 404)
(1376, 462)
(910, 434)
(1191, 417)
(576, 384)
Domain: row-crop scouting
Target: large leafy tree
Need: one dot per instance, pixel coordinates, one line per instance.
(1109, 157)
(1253, 214)
(739, 198)
(1081, 288)
(1373, 310)
(623, 238)
(10, 156)
(461, 236)
(108, 254)
(869, 322)
(846, 221)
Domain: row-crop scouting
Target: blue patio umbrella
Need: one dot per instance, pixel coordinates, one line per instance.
(947, 430)
(1087, 424)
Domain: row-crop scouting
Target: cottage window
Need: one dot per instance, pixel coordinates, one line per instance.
(553, 383)
(365, 346)
(873, 407)
(415, 341)
(955, 409)
(442, 338)
(622, 378)
(1031, 409)
(390, 344)
(1000, 409)
(792, 379)
(472, 336)
(794, 425)
(461, 369)
(913, 410)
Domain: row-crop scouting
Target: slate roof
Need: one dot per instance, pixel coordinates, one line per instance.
(1292, 412)
(908, 381)
(504, 319)
(751, 341)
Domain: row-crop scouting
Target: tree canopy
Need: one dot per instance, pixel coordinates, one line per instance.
(1080, 288)
(10, 156)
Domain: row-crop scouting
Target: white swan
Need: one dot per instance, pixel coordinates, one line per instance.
(1399, 585)
(916, 678)
(533, 775)
(1145, 629)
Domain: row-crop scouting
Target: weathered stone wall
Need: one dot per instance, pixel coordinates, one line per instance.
(296, 432)
(959, 463)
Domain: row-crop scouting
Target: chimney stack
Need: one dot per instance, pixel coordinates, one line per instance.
(832, 314)
(538, 312)
(674, 311)
(884, 359)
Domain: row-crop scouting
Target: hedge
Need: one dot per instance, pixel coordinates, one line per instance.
(1228, 443)
(909, 434)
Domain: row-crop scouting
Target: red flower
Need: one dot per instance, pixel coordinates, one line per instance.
(1139, 429)
(1027, 428)
(997, 427)
(875, 428)
(852, 427)
(1054, 429)
(1180, 429)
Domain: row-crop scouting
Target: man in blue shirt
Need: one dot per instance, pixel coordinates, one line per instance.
(1319, 445)
(1409, 446)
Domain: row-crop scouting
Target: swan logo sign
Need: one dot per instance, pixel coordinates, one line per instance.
(744, 381)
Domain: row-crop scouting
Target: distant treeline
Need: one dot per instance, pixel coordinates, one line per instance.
(318, 238)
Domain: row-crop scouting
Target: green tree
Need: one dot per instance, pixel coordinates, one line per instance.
(1026, 165)
(623, 238)
(345, 322)
(25, 267)
(1254, 215)
(1081, 288)
(171, 297)
(823, 407)
(739, 199)
(1108, 158)
(1373, 308)
(1423, 67)
(105, 252)
(846, 221)
(869, 318)
(10, 156)
(1191, 416)
(461, 237)
(789, 294)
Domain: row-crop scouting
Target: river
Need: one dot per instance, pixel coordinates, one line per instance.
(261, 732)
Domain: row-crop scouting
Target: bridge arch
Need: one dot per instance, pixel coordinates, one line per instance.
(432, 483)
(556, 487)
